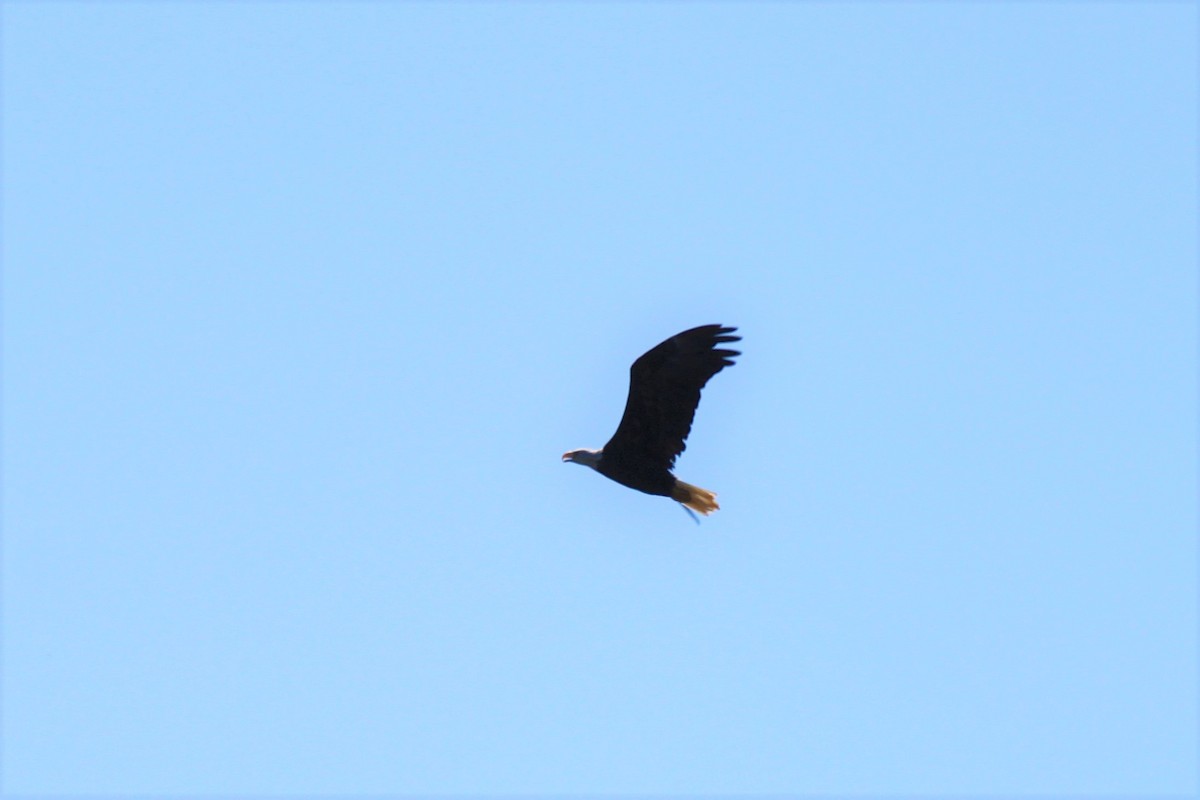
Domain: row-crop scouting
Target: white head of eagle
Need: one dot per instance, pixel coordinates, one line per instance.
(589, 458)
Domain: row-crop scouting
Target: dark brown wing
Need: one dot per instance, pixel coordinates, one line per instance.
(664, 390)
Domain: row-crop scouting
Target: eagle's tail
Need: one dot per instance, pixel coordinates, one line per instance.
(694, 497)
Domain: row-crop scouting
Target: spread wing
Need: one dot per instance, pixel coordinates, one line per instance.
(664, 390)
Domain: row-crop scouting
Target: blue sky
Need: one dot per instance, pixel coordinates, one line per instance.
(303, 302)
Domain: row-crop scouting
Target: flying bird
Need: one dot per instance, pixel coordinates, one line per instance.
(664, 390)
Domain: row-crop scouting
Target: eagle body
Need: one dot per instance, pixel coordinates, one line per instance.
(664, 391)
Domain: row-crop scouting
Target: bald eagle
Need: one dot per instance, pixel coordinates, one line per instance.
(664, 390)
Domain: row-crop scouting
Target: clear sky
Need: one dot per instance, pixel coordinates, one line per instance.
(304, 301)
